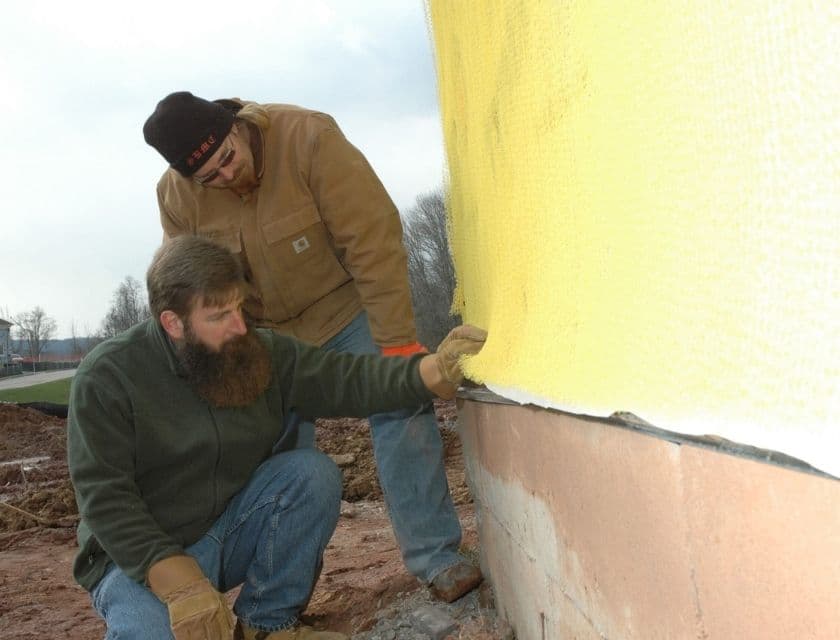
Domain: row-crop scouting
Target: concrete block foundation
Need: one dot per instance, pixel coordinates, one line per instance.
(590, 529)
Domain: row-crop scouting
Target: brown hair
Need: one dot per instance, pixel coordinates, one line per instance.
(189, 269)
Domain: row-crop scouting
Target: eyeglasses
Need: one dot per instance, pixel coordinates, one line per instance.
(227, 158)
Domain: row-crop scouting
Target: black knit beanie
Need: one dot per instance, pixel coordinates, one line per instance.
(187, 130)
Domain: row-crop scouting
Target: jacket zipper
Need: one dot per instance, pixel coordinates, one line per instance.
(214, 506)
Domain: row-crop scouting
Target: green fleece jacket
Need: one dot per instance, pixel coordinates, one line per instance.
(153, 465)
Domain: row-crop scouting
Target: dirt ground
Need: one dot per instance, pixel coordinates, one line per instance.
(363, 582)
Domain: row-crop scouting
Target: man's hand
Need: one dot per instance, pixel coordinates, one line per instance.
(441, 371)
(196, 610)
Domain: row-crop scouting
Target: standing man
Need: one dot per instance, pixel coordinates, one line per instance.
(321, 243)
(171, 448)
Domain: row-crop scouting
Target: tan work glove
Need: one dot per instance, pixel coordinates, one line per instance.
(441, 371)
(196, 610)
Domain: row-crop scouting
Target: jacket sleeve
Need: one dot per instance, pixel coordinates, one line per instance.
(100, 453)
(320, 383)
(366, 228)
(171, 220)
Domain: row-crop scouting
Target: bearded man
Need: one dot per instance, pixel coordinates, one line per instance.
(320, 241)
(187, 479)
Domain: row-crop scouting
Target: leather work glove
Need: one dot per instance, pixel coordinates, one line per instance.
(196, 610)
(441, 371)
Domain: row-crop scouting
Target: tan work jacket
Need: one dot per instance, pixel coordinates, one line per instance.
(320, 238)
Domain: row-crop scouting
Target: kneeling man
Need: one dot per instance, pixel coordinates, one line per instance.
(182, 487)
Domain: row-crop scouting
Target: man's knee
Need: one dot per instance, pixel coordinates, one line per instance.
(318, 477)
(323, 476)
(130, 610)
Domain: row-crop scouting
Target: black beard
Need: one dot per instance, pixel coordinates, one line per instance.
(235, 376)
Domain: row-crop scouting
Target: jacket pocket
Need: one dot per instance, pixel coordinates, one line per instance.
(298, 237)
(302, 259)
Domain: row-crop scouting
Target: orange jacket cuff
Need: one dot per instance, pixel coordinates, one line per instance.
(404, 350)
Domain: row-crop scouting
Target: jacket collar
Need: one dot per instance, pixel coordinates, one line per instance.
(166, 347)
(257, 141)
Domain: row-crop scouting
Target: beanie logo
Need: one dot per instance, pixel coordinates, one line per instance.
(202, 149)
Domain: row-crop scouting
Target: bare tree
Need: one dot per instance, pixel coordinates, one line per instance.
(431, 272)
(75, 347)
(81, 344)
(34, 331)
(128, 307)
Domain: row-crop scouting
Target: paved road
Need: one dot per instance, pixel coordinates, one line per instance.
(28, 379)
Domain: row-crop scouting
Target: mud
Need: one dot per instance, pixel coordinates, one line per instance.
(364, 590)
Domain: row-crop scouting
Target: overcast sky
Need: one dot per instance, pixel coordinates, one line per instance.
(79, 79)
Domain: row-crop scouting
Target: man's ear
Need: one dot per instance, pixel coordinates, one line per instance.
(172, 324)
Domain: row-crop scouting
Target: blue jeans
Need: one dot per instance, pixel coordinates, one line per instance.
(270, 538)
(409, 459)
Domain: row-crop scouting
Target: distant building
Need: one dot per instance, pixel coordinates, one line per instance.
(5, 341)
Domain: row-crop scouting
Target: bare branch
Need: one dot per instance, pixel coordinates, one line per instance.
(431, 271)
(128, 307)
(34, 329)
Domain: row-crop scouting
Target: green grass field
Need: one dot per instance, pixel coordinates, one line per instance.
(57, 391)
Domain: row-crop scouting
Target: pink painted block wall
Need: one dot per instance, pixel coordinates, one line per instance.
(593, 530)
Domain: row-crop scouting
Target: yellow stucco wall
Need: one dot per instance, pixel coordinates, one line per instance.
(645, 204)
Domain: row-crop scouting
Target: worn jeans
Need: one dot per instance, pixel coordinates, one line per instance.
(270, 538)
(409, 459)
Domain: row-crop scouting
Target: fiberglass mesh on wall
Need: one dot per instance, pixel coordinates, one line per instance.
(644, 202)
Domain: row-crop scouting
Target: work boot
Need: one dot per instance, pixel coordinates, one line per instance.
(301, 632)
(456, 581)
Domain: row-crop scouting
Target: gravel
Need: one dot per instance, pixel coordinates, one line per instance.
(418, 617)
